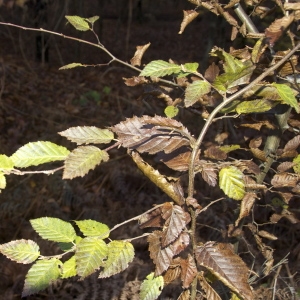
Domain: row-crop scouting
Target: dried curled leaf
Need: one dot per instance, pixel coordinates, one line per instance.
(209, 291)
(159, 180)
(140, 50)
(246, 206)
(285, 180)
(188, 271)
(227, 266)
(188, 17)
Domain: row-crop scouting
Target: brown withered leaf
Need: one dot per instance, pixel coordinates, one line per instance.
(140, 50)
(209, 291)
(287, 154)
(196, 2)
(231, 3)
(180, 243)
(251, 167)
(152, 219)
(255, 142)
(209, 175)
(188, 271)
(286, 197)
(162, 257)
(170, 188)
(292, 144)
(194, 203)
(142, 135)
(246, 206)
(288, 67)
(284, 180)
(235, 31)
(185, 295)
(291, 6)
(135, 80)
(258, 125)
(227, 266)
(212, 72)
(276, 29)
(176, 220)
(214, 152)
(285, 166)
(285, 214)
(260, 154)
(172, 273)
(188, 17)
(267, 235)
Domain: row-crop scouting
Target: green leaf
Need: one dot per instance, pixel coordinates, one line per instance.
(195, 91)
(231, 64)
(191, 67)
(69, 268)
(21, 251)
(255, 106)
(40, 275)
(90, 255)
(230, 107)
(71, 66)
(79, 23)
(2, 181)
(296, 167)
(151, 287)
(171, 111)
(229, 148)
(120, 254)
(232, 183)
(287, 95)
(83, 159)
(92, 20)
(93, 228)
(6, 162)
(160, 68)
(88, 135)
(54, 229)
(34, 154)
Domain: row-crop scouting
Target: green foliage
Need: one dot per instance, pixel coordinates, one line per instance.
(195, 91)
(171, 111)
(151, 287)
(79, 23)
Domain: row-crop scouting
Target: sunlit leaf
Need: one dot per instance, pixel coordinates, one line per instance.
(119, 255)
(93, 228)
(6, 163)
(255, 106)
(90, 255)
(160, 68)
(34, 154)
(40, 275)
(296, 167)
(171, 111)
(287, 95)
(69, 268)
(88, 135)
(229, 148)
(71, 66)
(21, 251)
(231, 182)
(190, 67)
(54, 229)
(83, 159)
(79, 23)
(227, 266)
(195, 91)
(2, 181)
(151, 287)
(92, 20)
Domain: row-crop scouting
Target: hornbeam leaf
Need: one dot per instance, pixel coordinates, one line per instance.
(151, 287)
(40, 275)
(2, 181)
(232, 183)
(227, 266)
(195, 91)
(296, 161)
(119, 255)
(88, 135)
(34, 154)
(69, 268)
(83, 159)
(160, 68)
(255, 106)
(92, 20)
(21, 251)
(287, 95)
(6, 162)
(71, 66)
(171, 111)
(90, 255)
(93, 228)
(79, 23)
(54, 229)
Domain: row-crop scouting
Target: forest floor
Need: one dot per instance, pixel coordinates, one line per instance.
(37, 101)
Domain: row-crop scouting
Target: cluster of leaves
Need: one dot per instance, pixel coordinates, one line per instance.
(172, 245)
